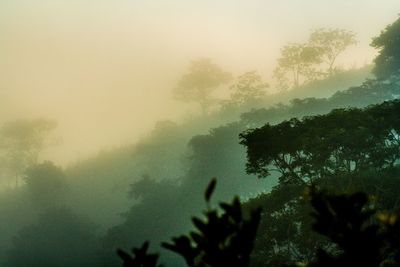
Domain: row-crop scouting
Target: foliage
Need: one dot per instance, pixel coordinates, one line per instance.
(197, 85)
(222, 239)
(356, 233)
(152, 199)
(343, 150)
(141, 258)
(361, 235)
(346, 221)
(341, 142)
(387, 63)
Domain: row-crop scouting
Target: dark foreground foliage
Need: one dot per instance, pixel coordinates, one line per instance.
(346, 150)
(358, 234)
(221, 239)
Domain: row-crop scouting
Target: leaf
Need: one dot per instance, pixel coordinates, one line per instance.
(210, 189)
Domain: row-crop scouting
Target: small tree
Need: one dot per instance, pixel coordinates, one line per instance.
(201, 80)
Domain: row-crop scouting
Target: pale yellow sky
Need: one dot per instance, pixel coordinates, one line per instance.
(105, 69)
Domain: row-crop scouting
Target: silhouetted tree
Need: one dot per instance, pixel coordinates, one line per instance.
(387, 63)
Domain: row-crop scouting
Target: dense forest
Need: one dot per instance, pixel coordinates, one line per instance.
(312, 168)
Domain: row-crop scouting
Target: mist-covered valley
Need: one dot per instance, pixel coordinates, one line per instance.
(115, 116)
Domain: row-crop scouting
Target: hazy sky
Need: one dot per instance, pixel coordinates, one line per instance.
(105, 68)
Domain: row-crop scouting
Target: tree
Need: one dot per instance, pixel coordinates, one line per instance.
(297, 61)
(201, 80)
(22, 140)
(249, 88)
(342, 142)
(330, 43)
(301, 63)
(387, 63)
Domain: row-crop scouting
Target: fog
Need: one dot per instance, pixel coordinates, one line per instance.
(115, 115)
(104, 70)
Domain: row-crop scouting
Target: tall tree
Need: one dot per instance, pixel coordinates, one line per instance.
(330, 43)
(387, 63)
(201, 80)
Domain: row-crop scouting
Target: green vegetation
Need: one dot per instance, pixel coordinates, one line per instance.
(346, 150)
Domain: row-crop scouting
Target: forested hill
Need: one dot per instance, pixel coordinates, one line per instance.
(172, 151)
(123, 190)
(188, 162)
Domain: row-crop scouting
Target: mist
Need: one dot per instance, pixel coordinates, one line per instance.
(101, 146)
(108, 68)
